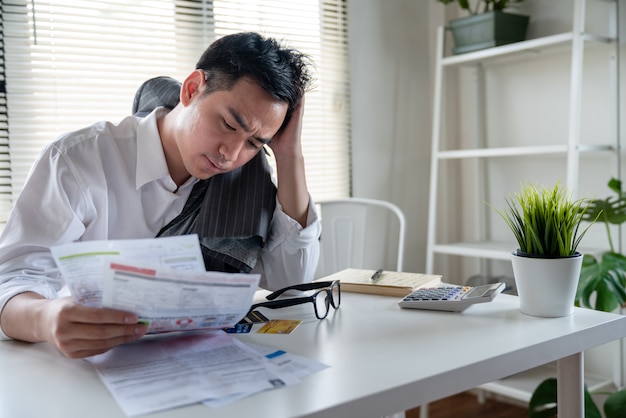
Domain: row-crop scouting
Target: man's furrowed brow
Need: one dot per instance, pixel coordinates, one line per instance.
(239, 119)
(245, 126)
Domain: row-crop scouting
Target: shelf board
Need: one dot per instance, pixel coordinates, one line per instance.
(547, 44)
(519, 151)
(521, 386)
(495, 250)
(492, 250)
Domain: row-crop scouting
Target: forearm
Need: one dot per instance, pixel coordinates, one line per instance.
(75, 330)
(18, 278)
(291, 254)
(20, 318)
(293, 193)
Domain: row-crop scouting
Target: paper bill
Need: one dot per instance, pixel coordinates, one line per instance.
(157, 374)
(170, 300)
(82, 263)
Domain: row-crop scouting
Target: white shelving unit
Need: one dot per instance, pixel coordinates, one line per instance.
(576, 42)
(570, 150)
(521, 386)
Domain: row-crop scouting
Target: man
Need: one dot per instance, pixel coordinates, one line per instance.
(132, 179)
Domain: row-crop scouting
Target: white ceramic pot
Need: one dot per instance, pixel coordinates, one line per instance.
(547, 286)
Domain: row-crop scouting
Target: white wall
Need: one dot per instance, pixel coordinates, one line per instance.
(390, 64)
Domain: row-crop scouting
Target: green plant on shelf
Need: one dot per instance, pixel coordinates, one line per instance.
(482, 6)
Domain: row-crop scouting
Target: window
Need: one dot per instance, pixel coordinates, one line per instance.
(70, 63)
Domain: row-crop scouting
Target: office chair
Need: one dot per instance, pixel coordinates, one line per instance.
(360, 233)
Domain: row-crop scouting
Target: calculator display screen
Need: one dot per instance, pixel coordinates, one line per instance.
(480, 291)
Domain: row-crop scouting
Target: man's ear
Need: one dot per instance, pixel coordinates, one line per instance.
(192, 86)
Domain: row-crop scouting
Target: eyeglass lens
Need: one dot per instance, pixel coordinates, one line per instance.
(326, 298)
(322, 302)
(335, 292)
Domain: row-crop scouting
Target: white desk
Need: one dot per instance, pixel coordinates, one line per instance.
(383, 360)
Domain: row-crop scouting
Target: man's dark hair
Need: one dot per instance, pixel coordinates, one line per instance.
(280, 71)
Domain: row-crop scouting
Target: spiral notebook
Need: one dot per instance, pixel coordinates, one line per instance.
(389, 283)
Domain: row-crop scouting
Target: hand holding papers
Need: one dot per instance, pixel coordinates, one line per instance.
(165, 284)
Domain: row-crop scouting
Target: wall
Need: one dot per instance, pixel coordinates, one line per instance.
(390, 64)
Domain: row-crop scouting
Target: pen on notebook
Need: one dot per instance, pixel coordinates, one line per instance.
(376, 275)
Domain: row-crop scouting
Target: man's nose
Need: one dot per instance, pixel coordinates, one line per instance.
(229, 151)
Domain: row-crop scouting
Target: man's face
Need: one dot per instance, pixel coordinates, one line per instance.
(225, 129)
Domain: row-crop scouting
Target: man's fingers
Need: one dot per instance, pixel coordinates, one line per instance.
(96, 339)
(89, 315)
(100, 331)
(79, 331)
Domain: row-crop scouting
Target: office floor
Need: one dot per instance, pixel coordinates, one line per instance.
(465, 405)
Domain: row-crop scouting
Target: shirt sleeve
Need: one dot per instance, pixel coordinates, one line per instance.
(42, 216)
(291, 253)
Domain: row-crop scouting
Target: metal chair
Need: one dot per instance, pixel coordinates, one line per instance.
(360, 233)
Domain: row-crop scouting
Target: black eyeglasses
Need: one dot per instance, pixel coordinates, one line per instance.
(322, 300)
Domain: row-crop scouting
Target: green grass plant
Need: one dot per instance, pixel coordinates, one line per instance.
(545, 221)
(482, 6)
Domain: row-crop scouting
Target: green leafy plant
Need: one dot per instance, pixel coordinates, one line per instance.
(604, 275)
(482, 6)
(543, 402)
(544, 221)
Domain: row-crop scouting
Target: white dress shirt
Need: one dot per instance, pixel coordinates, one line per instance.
(111, 181)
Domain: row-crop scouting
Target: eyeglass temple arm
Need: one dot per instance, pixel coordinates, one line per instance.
(281, 303)
(301, 286)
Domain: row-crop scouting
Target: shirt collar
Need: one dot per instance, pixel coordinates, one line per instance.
(151, 164)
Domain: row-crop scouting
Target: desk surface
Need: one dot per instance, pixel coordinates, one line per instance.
(383, 360)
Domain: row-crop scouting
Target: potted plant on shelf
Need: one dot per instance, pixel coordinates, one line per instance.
(488, 25)
(546, 266)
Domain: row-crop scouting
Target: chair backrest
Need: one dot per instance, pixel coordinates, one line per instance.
(360, 233)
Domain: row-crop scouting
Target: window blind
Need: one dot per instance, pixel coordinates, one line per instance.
(70, 63)
(5, 168)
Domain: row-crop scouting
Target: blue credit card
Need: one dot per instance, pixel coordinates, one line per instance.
(240, 328)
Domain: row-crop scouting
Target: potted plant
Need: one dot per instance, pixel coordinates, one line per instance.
(487, 25)
(546, 266)
(602, 276)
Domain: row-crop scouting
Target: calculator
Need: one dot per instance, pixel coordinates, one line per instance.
(450, 297)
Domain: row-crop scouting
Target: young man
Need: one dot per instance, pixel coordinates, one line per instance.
(132, 179)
